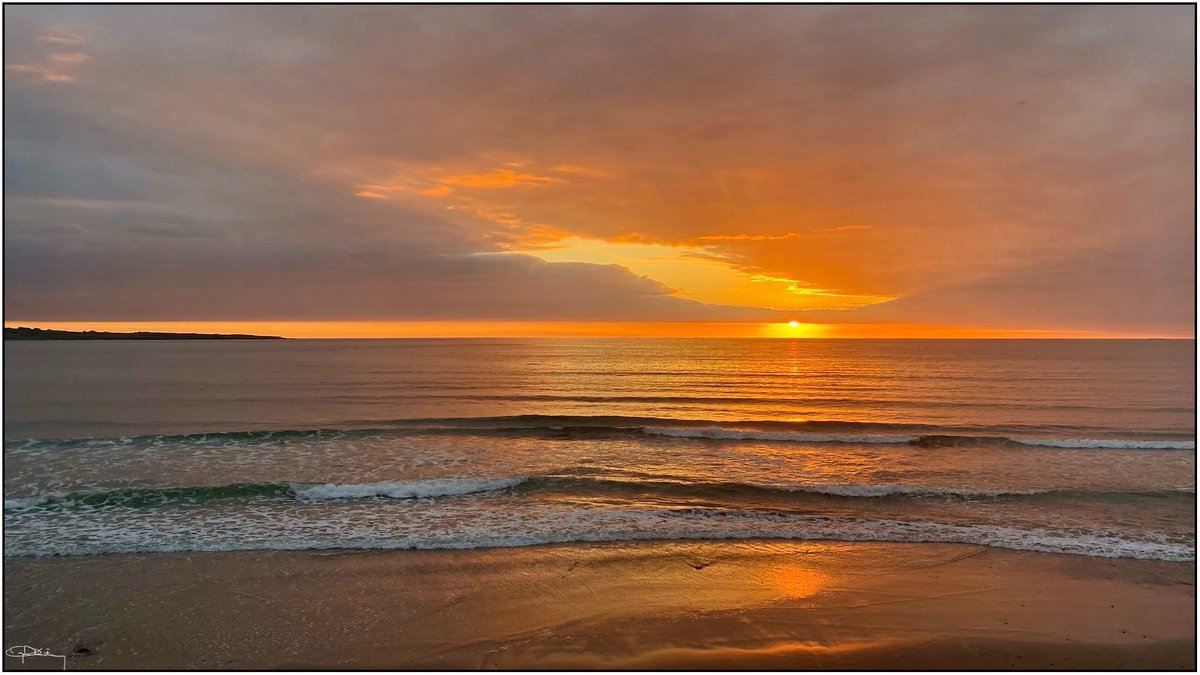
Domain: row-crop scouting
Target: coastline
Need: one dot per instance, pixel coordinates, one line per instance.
(630, 605)
(25, 334)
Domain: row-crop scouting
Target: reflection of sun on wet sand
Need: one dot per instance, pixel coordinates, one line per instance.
(797, 582)
(640, 605)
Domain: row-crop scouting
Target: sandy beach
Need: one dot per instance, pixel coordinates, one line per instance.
(659, 605)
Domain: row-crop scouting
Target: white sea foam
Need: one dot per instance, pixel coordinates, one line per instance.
(455, 524)
(21, 503)
(414, 489)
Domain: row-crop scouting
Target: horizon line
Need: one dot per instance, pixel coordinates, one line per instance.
(392, 330)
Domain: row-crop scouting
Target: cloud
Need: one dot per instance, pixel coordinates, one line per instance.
(497, 178)
(44, 65)
(62, 37)
(40, 72)
(748, 237)
(873, 152)
(108, 223)
(69, 57)
(1108, 289)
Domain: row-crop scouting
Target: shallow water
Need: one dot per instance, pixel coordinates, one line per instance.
(1082, 447)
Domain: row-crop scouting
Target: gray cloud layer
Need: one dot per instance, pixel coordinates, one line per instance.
(1017, 166)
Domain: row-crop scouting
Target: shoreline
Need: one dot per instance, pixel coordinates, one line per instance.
(763, 604)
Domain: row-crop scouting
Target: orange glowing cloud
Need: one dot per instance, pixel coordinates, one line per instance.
(580, 170)
(497, 179)
(748, 237)
(428, 183)
(836, 171)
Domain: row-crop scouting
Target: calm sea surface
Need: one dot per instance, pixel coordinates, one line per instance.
(1084, 447)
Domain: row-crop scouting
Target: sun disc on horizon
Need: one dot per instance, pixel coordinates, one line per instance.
(794, 324)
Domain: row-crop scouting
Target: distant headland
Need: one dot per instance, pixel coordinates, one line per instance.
(24, 333)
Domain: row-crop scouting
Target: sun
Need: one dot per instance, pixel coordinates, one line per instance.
(794, 324)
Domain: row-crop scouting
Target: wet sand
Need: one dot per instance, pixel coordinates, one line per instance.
(645, 605)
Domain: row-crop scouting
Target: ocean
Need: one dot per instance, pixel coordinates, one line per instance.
(1068, 446)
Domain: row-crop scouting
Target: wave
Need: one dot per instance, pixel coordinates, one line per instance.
(1114, 444)
(608, 426)
(562, 483)
(928, 440)
(415, 489)
(481, 529)
(150, 497)
(727, 492)
(573, 504)
(725, 434)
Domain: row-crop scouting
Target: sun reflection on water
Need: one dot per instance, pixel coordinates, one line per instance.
(793, 581)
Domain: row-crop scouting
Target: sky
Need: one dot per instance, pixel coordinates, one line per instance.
(904, 170)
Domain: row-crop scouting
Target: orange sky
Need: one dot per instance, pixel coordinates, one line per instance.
(878, 170)
(437, 329)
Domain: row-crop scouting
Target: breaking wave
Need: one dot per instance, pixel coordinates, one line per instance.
(437, 488)
(584, 426)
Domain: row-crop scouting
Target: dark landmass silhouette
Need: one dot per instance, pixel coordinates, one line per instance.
(24, 333)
